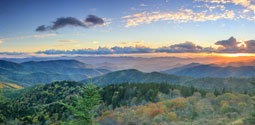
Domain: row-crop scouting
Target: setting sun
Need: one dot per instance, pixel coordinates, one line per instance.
(242, 44)
(237, 54)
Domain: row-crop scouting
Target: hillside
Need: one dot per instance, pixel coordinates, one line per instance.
(41, 102)
(207, 83)
(9, 86)
(133, 75)
(200, 70)
(234, 84)
(29, 73)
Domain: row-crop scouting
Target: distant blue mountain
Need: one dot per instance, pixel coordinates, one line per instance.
(34, 72)
(201, 70)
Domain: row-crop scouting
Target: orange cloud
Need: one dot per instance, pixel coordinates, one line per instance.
(67, 41)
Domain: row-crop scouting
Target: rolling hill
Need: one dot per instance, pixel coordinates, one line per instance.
(133, 76)
(207, 83)
(32, 72)
(196, 70)
(9, 86)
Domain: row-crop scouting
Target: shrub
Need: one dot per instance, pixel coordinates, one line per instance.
(225, 108)
(171, 116)
(155, 112)
(178, 103)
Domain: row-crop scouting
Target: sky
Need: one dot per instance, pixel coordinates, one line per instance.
(126, 26)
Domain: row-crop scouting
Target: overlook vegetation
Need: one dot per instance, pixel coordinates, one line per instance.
(69, 102)
(50, 103)
(128, 97)
(229, 108)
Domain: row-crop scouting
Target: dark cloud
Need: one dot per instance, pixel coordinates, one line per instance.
(182, 47)
(42, 28)
(100, 50)
(91, 20)
(94, 20)
(250, 46)
(229, 45)
(129, 50)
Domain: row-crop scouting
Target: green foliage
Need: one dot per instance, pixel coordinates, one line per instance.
(171, 116)
(128, 94)
(228, 108)
(40, 103)
(135, 76)
(85, 105)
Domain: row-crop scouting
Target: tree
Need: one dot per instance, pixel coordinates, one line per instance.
(216, 92)
(84, 108)
(223, 91)
(251, 119)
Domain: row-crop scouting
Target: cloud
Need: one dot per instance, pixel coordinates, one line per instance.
(248, 4)
(95, 42)
(227, 44)
(129, 50)
(182, 47)
(201, 11)
(28, 37)
(12, 53)
(181, 16)
(1, 42)
(90, 20)
(143, 5)
(230, 45)
(135, 43)
(67, 41)
(100, 50)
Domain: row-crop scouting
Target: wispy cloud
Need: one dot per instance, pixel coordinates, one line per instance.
(248, 4)
(135, 43)
(182, 16)
(143, 5)
(28, 37)
(95, 42)
(67, 41)
(200, 11)
(13, 53)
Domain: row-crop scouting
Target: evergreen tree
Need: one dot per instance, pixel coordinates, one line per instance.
(85, 106)
(216, 92)
(223, 91)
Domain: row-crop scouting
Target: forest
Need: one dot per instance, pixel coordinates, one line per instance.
(69, 102)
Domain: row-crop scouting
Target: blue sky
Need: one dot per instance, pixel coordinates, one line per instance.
(152, 24)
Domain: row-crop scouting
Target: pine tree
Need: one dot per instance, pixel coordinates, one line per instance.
(85, 106)
(216, 92)
(223, 91)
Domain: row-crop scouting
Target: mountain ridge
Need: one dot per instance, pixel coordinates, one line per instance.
(34, 72)
(207, 83)
(211, 70)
